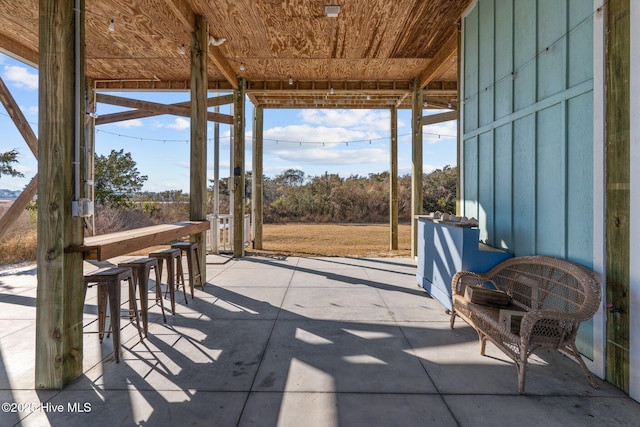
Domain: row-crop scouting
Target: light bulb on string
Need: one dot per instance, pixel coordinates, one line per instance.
(112, 26)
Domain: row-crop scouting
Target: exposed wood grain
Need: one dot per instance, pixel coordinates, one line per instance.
(105, 246)
(60, 287)
(256, 182)
(416, 164)
(238, 170)
(617, 187)
(393, 181)
(441, 60)
(18, 206)
(155, 108)
(142, 113)
(274, 39)
(198, 146)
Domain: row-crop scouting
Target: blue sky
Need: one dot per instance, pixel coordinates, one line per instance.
(346, 142)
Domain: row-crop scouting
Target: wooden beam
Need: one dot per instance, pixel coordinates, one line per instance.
(110, 245)
(148, 109)
(439, 118)
(238, 171)
(223, 66)
(416, 165)
(18, 118)
(185, 14)
(118, 85)
(440, 60)
(142, 113)
(198, 182)
(60, 290)
(393, 182)
(18, 206)
(17, 50)
(257, 175)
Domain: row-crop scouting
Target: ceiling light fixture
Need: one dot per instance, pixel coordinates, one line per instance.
(112, 26)
(242, 66)
(216, 41)
(290, 80)
(183, 49)
(332, 10)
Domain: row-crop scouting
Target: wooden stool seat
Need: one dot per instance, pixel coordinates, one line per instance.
(141, 268)
(108, 282)
(174, 270)
(191, 250)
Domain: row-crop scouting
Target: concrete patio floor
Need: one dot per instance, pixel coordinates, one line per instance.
(295, 342)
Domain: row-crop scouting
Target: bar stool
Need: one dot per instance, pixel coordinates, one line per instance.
(174, 272)
(191, 250)
(108, 282)
(141, 268)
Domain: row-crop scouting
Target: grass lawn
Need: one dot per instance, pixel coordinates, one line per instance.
(348, 240)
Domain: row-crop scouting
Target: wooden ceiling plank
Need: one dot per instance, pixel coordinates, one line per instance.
(440, 60)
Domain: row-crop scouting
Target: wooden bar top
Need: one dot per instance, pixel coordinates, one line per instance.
(110, 245)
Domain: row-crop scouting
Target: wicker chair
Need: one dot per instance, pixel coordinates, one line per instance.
(555, 294)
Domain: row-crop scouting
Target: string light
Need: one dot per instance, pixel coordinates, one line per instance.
(242, 66)
(183, 49)
(112, 26)
(331, 91)
(290, 80)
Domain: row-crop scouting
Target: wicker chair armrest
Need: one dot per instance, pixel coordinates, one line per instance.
(532, 317)
(464, 278)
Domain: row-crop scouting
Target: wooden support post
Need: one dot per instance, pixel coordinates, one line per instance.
(618, 209)
(416, 164)
(256, 182)
(198, 183)
(60, 293)
(238, 170)
(393, 182)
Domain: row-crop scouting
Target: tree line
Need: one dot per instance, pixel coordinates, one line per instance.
(291, 196)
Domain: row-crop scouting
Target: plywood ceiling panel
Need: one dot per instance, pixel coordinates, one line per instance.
(370, 40)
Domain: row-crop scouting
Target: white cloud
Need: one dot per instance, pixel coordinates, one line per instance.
(180, 124)
(376, 120)
(307, 133)
(129, 123)
(21, 77)
(324, 156)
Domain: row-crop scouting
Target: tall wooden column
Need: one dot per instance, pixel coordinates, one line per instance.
(238, 170)
(393, 181)
(416, 164)
(198, 183)
(256, 182)
(617, 217)
(60, 294)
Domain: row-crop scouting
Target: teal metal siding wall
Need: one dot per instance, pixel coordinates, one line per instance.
(528, 139)
(528, 133)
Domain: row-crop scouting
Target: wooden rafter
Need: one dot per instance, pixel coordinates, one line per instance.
(18, 50)
(440, 60)
(223, 65)
(154, 108)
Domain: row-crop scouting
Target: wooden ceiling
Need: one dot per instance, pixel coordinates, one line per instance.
(370, 54)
